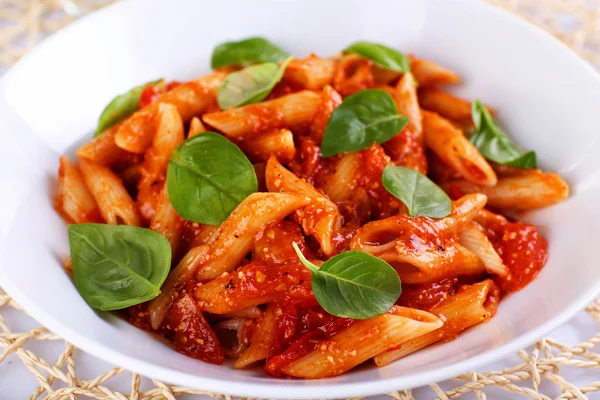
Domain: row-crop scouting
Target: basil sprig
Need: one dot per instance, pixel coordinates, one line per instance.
(115, 267)
(250, 85)
(122, 106)
(208, 177)
(354, 284)
(365, 118)
(383, 56)
(245, 52)
(418, 193)
(494, 144)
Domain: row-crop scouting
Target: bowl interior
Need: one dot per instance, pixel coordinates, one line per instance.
(49, 103)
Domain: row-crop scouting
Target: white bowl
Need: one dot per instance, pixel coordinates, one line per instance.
(545, 96)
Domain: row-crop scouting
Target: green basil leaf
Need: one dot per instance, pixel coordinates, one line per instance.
(494, 144)
(117, 266)
(208, 177)
(363, 119)
(420, 195)
(383, 56)
(245, 52)
(354, 284)
(122, 107)
(250, 85)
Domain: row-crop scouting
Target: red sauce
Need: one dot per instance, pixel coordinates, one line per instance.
(284, 87)
(314, 326)
(193, 336)
(149, 95)
(524, 252)
(405, 150)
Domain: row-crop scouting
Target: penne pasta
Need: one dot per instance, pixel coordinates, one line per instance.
(343, 181)
(421, 249)
(115, 204)
(262, 339)
(135, 133)
(291, 111)
(166, 221)
(235, 236)
(429, 73)
(330, 100)
(169, 135)
(362, 341)
(102, 149)
(470, 306)
(320, 218)
(73, 201)
(196, 127)
(525, 192)
(311, 72)
(474, 239)
(353, 74)
(278, 143)
(249, 286)
(178, 277)
(444, 104)
(407, 147)
(454, 149)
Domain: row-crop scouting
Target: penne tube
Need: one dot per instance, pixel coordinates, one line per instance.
(73, 201)
(421, 249)
(352, 74)
(474, 239)
(344, 180)
(196, 127)
(429, 73)
(454, 149)
(262, 339)
(250, 285)
(135, 133)
(444, 104)
(166, 221)
(236, 234)
(278, 143)
(407, 148)
(519, 193)
(115, 204)
(330, 100)
(471, 305)
(464, 210)
(178, 277)
(311, 72)
(320, 218)
(290, 111)
(169, 135)
(102, 149)
(362, 341)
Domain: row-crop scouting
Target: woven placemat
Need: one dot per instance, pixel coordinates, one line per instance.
(577, 22)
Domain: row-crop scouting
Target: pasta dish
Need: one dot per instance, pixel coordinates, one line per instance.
(305, 215)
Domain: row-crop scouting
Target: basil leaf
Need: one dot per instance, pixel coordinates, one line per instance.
(208, 177)
(383, 56)
(354, 284)
(420, 195)
(247, 51)
(122, 107)
(494, 144)
(115, 267)
(250, 85)
(363, 119)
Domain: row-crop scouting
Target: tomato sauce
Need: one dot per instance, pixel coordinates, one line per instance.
(524, 252)
(405, 150)
(309, 328)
